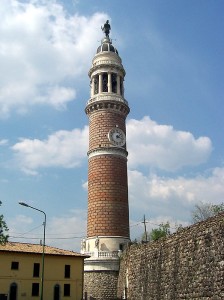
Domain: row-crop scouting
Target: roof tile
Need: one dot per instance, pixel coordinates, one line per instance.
(36, 248)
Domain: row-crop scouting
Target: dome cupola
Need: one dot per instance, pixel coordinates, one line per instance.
(106, 45)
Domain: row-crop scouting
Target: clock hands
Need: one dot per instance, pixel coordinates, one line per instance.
(117, 137)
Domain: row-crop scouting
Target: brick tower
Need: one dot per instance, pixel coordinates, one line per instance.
(108, 214)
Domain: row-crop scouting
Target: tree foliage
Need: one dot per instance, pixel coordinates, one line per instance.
(162, 231)
(3, 230)
(203, 211)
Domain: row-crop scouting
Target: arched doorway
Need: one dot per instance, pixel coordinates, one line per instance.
(57, 292)
(13, 291)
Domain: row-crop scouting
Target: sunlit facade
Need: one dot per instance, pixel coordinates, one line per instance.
(20, 272)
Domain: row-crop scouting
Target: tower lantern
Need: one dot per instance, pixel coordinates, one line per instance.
(108, 213)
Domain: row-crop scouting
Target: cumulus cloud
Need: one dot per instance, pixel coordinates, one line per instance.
(163, 147)
(41, 47)
(149, 144)
(174, 197)
(61, 149)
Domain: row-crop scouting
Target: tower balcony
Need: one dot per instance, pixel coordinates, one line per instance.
(102, 261)
(104, 254)
(107, 97)
(107, 101)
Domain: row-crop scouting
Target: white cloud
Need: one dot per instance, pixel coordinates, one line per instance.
(61, 149)
(41, 46)
(161, 146)
(175, 197)
(85, 186)
(3, 142)
(149, 144)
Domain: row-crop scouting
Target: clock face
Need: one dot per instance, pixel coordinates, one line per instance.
(116, 137)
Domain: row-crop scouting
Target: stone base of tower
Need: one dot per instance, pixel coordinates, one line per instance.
(101, 269)
(100, 285)
(101, 276)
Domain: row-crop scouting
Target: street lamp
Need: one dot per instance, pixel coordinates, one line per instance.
(43, 249)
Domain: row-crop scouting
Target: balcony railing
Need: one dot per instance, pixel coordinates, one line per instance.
(104, 254)
(107, 97)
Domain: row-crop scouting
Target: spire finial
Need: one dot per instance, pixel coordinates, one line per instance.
(106, 28)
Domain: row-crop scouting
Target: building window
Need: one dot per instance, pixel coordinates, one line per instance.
(35, 289)
(36, 270)
(66, 289)
(12, 292)
(15, 265)
(67, 271)
(57, 292)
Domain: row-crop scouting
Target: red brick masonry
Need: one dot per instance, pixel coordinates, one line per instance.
(108, 196)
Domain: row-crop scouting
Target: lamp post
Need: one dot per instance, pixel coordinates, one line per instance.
(43, 249)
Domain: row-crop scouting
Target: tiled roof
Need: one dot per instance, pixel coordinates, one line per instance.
(36, 248)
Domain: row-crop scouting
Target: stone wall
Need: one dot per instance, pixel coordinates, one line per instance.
(100, 285)
(186, 265)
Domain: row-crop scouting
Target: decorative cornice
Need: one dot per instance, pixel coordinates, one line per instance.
(108, 64)
(107, 97)
(112, 102)
(118, 151)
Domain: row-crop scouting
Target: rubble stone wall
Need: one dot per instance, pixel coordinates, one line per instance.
(186, 265)
(100, 285)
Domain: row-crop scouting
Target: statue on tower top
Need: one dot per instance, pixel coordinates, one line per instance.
(106, 28)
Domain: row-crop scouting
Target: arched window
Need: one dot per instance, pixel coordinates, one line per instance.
(13, 291)
(57, 292)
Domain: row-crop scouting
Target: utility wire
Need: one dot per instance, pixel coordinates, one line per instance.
(48, 238)
(145, 221)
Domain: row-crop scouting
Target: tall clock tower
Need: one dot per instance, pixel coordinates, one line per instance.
(108, 214)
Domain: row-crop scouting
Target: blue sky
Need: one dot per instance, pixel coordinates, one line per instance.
(172, 52)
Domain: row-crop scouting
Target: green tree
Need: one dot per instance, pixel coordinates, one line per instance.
(3, 230)
(203, 211)
(162, 231)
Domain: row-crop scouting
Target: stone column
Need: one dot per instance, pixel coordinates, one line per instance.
(100, 83)
(92, 85)
(122, 88)
(109, 83)
(118, 84)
